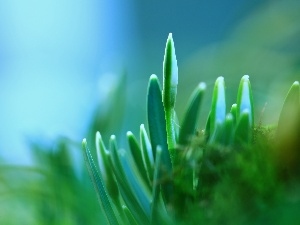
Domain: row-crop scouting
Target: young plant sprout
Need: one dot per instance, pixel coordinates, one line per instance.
(169, 173)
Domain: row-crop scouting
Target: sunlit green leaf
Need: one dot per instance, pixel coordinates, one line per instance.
(218, 108)
(245, 100)
(170, 81)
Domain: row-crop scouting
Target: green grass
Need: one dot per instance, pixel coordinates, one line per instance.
(233, 171)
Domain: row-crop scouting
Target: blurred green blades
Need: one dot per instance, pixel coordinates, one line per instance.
(98, 184)
(245, 100)
(290, 110)
(288, 130)
(190, 118)
(243, 132)
(218, 108)
(132, 190)
(157, 130)
(106, 171)
(170, 81)
(147, 153)
(136, 152)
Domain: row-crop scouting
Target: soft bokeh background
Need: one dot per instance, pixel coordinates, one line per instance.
(61, 63)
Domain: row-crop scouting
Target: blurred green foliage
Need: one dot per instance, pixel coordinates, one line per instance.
(56, 188)
(265, 46)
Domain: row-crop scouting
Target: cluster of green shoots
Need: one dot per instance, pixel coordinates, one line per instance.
(172, 168)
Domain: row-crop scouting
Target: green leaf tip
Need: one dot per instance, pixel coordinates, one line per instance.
(113, 137)
(170, 71)
(245, 99)
(233, 110)
(202, 86)
(170, 81)
(296, 83)
(218, 108)
(129, 133)
(153, 77)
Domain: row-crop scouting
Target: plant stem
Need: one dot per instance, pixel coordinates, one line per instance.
(169, 115)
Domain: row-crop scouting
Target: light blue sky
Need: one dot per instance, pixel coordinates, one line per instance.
(52, 53)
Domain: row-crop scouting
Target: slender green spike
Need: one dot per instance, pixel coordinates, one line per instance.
(245, 100)
(103, 157)
(233, 112)
(130, 218)
(147, 152)
(218, 108)
(190, 119)
(133, 191)
(98, 185)
(243, 132)
(288, 130)
(228, 130)
(170, 81)
(170, 71)
(136, 152)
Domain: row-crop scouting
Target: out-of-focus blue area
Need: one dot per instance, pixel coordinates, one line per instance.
(52, 54)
